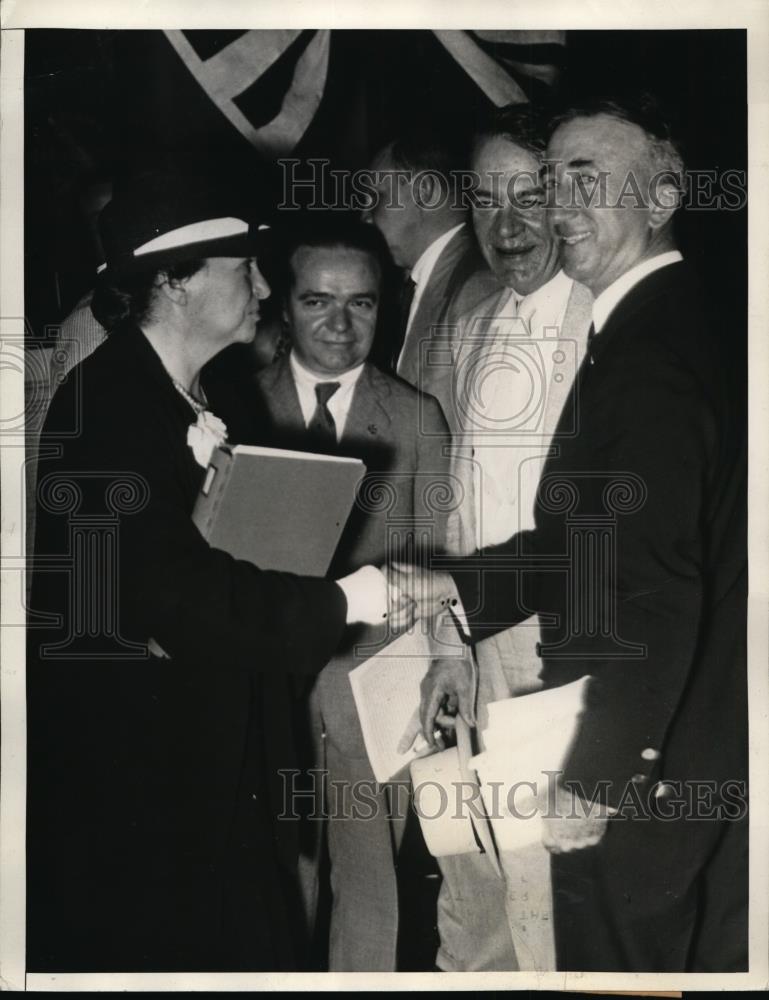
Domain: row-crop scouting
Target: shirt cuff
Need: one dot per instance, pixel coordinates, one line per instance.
(366, 593)
(457, 609)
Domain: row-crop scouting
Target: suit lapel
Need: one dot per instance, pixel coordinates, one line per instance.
(432, 303)
(572, 341)
(281, 397)
(473, 329)
(437, 289)
(368, 419)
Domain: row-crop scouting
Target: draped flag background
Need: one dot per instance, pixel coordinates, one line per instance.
(98, 103)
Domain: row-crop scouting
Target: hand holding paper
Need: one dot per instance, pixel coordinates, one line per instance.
(447, 689)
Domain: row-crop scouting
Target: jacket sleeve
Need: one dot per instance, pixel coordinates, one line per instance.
(432, 491)
(665, 444)
(197, 602)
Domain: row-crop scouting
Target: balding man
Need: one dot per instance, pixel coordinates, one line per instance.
(648, 502)
(421, 215)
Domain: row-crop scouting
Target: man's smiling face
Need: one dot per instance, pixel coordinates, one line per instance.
(602, 231)
(332, 307)
(509, 216)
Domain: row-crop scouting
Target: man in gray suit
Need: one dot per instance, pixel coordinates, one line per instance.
(420, 213)
(326, 397)
(507, 375)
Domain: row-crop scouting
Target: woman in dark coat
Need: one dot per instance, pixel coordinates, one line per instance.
(157, 699)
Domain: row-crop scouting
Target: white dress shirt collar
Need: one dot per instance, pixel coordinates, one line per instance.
(552, 297)
(421, 271)
(303, 374)
(339, 404)
(612, 296)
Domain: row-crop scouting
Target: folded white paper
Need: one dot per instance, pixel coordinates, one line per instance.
(386, 692)
(526, 740)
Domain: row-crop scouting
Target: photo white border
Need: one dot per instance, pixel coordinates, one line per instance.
(526, 14)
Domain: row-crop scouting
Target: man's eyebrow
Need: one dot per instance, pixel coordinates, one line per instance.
(308, 293)
(581, 162)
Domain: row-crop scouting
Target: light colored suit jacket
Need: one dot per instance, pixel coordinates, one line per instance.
(508, 664)
(459, 281)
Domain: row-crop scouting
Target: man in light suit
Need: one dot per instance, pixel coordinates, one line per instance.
(326, 397)
(658, 457)
(420, 213)
(507, 373)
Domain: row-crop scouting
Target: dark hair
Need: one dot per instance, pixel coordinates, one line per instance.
(121, 298)
(329, 230)
(523, 124)
(639, 108)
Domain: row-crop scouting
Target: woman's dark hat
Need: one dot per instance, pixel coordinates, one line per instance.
(157, 220)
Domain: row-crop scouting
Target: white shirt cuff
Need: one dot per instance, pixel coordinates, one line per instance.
(366, 592)
(458, 613)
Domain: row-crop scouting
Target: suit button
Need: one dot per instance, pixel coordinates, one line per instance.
(538, 649)
(650, 754)
(638, 779)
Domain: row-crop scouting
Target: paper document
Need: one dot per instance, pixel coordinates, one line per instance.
(386, 692)
(526, 737)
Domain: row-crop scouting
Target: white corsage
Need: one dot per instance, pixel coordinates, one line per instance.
(208, 433)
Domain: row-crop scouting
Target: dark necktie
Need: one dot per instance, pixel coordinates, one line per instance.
(591, 335)
(405, 298)
(322, 425)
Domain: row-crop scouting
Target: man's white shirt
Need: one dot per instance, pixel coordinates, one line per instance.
(611, 296)
(421, 271)
(512, 375)
(339, 404)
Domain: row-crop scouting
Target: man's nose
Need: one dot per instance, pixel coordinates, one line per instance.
(509, 222)
(340, 321)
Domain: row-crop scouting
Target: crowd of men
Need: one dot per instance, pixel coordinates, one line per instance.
(549, 357)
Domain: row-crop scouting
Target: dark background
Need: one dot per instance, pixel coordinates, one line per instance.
(100, 103)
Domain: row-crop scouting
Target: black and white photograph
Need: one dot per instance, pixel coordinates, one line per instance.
(385, 555)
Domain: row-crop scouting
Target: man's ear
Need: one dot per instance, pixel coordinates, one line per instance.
(427, 193)
(665, 199)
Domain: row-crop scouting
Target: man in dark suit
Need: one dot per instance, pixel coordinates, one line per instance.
(644, 507)
(326, 397)
(420, 213)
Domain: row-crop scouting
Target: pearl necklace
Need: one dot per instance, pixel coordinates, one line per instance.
(196, 404)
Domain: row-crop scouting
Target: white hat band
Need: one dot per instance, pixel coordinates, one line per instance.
(195, 232)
